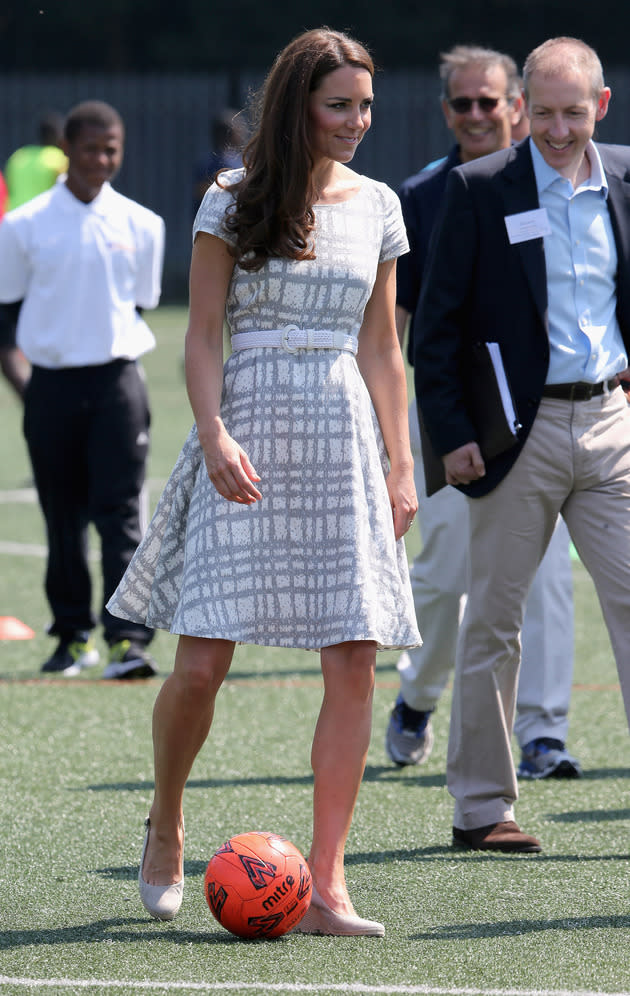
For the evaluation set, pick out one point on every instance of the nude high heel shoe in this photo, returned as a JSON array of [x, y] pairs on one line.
[[320, 919], [161, 901]]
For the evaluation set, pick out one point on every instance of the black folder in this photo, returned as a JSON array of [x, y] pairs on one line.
[[491, 408]]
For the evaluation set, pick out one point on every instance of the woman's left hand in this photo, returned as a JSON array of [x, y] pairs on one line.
[[402, 495]]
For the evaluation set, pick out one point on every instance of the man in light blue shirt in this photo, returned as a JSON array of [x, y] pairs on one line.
[[581, 263], [532, 253], [482, 105]]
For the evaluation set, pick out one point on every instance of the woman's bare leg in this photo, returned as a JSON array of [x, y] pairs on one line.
[[338, 756], [182, 717]]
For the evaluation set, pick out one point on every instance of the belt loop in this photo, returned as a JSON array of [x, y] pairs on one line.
[[285, 338], [310, 339]]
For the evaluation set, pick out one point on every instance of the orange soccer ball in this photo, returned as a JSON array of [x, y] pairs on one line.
[[258, 885]]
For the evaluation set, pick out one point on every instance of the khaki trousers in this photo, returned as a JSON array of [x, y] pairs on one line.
[[576, 462], [439, 582]]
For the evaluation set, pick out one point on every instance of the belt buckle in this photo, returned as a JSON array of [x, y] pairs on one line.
[[285, 338]]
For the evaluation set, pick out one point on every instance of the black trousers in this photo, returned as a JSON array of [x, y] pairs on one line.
[[8, 324], [87, 431]]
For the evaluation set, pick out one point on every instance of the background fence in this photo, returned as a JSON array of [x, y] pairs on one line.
[[167, 121]]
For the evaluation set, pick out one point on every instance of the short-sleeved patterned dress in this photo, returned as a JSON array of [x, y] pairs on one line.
[[315, 562]]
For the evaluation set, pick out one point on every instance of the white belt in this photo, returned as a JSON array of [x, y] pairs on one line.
[[291, 338]]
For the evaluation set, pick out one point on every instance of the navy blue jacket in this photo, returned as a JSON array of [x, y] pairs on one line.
[[420, 196]]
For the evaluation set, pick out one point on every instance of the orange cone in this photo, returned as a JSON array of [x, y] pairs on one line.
[[13, 629]]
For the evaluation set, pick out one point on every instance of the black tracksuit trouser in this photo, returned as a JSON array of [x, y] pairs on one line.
[[87, 431]]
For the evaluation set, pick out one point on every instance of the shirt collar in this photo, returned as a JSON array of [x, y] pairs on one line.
[[99, 204], [546, 174]]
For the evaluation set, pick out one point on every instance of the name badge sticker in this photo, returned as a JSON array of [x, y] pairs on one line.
[[527, 225]]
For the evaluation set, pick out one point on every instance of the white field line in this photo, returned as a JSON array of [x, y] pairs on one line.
[[290, 987], [11, 549], [23, 549], [21, 496], [28, 496]]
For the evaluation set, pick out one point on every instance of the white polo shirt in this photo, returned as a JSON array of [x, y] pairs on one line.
[[81, 270]]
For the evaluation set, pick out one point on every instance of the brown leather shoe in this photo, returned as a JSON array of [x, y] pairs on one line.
[[505, 837]]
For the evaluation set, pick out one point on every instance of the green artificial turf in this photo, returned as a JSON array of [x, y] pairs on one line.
[[76, 782]]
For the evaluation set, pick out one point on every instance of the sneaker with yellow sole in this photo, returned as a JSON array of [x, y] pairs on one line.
[[71, 656], [129, 660]]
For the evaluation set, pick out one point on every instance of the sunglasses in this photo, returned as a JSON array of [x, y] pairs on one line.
[[462, 105]]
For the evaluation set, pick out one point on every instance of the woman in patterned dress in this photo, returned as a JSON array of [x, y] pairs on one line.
[[283, 521]]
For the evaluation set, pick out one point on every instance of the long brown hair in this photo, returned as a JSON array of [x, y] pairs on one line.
[[273, 211]]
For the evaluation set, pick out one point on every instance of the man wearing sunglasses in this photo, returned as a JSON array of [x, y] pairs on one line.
[[482, 102], [532, 253]]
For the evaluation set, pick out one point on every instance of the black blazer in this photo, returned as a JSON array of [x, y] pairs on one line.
[[478, 287]]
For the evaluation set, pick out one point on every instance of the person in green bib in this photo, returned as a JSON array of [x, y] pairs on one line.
[[29, 171], [32, 169]]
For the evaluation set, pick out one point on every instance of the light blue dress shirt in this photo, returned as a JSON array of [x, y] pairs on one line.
[[581, 261]]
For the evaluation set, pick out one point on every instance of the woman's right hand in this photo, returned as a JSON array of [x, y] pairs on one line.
[[230, 470]]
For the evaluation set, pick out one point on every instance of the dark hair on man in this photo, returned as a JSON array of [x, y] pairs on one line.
[[50, 128], [273, 212], [464, 56], [90, 113]]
